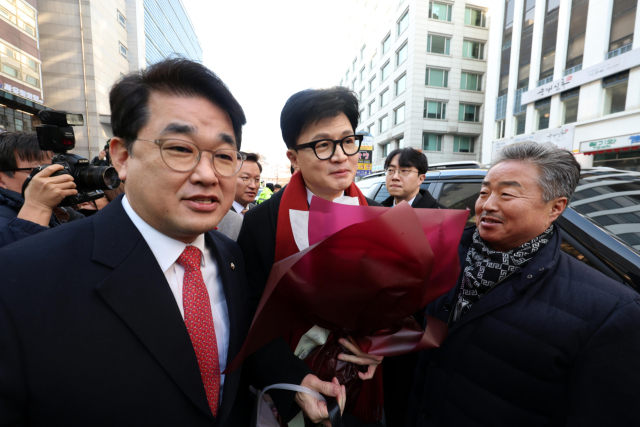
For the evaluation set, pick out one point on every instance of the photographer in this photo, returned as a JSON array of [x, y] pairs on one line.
[[102, 159], [22, 217]]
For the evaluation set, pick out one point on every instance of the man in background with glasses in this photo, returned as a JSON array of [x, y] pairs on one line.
[[318, 128], [23, 217], [406, 169], [132, 315], [248, 184]]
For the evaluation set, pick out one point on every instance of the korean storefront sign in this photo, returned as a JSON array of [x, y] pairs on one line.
[[365, 156], [610, 66], [561, 137], [8, 87], [613, 143]]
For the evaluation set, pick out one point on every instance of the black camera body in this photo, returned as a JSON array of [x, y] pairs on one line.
[[56, 134]]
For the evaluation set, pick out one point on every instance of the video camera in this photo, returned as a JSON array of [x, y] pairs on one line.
[[56, 134]]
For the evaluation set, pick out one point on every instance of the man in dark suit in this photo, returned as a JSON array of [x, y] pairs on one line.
[[406, 169], [318, 127], [130, 317], [248, 184]]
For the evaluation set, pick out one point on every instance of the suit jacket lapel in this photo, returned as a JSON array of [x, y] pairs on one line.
[[139, 294], [237, 319], [416, 200]]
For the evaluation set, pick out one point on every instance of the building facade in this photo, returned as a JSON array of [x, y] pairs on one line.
[[419, 68], [21, 96], [565, 71], [89, 44]]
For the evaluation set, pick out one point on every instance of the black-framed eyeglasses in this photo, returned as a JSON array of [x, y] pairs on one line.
[[325, 148], [184, 156], [401, 172], [20, 169]]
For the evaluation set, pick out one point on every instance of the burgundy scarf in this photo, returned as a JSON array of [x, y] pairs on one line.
[[369, 406]]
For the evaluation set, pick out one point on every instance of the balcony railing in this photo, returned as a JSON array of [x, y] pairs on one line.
[[572, 70], [544, 81], [501, 107], [517, 108], [619, 51]]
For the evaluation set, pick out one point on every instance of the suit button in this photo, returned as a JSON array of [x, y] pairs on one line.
[[435, 363], [447, 307], [529, 276]]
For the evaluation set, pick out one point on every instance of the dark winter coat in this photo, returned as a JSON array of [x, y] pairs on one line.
[[13, 228], [557, 344]]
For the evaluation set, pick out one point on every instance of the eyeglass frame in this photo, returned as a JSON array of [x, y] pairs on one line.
[[20, 169], [160, 142], [408, 171], [336, 142], [244, 178]]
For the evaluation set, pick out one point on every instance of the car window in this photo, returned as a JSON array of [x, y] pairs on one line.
[[611, 200], [382, 194], [461, 195], [569, 249]]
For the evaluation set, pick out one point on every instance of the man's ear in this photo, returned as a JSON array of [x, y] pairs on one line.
[[2, 183], [119, 156], [292, 155], [557, 208], [422, 177]]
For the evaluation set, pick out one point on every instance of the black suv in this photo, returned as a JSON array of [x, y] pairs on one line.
[[601, 226]]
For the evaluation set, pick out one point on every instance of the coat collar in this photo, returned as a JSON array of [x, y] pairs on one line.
[[505, 293], [138, 292]]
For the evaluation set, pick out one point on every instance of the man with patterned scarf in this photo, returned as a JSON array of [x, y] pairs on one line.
[[318, 127], [536, 337]]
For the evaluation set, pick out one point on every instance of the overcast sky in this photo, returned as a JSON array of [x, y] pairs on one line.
[[266, 51]]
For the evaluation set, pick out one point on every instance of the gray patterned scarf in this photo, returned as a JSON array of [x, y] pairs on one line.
[[486, 267]]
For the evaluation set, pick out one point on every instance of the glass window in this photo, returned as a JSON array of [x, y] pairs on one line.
[[543, 117], [401, 85], [121, 19], [362, 52], [384, 71], [470, 81], [374, 60], [372, 108], [500, 129], [11, 53], [570, 110], [353, 84], [463, 144], [385, 150], [432, 142], [403, 23], [372, 85], [371, 128], [577, 30], [623, 19], [32, 80], [401, 141], [11, 71], [32, 64], [526, 43], [469, 113], [386, 44], [473, 50], [477, 18], [438, 44], [398, 115], [29, 29], [384, 98], [362, 74], [360, 116], [521, 120], [123, 50], [383, 124], [383, 194], [440, 11], [401, 55], [353, 64], [461, 195], [549, 37], [615, 98], [361, 95], [437, 78], [505, 57], [435, 110]]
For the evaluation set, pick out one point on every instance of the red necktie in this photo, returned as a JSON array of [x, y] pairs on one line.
[[199, 322]]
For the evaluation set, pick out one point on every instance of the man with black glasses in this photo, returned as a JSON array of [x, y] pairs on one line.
[[22, 217], [318, 128], [133, 314], [406, 169]]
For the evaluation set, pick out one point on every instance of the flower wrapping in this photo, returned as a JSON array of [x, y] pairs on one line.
[[367, 270]]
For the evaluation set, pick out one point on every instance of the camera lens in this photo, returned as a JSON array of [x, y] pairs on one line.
[[99, 178]]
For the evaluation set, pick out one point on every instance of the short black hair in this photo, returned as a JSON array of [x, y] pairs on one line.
[[22, 145], [269, 185], [408, 157], [277, 186], [312, 105], [129, 96], [252, 157]]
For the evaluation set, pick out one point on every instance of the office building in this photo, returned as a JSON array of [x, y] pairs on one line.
[[21, 97], [566, 72], [87, 45], [419, 68]]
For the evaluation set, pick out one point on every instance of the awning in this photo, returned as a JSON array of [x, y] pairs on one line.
[[615, 150]]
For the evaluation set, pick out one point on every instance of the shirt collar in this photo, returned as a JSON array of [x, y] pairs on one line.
[[238, 207], [165, 249], [410, 201]]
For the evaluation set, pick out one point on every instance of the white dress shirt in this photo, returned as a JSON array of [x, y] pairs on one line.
[[167, 251], [410, 201], [238, 207]]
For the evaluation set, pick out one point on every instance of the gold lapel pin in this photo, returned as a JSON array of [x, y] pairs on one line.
[[233, 266]]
